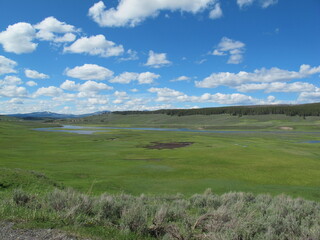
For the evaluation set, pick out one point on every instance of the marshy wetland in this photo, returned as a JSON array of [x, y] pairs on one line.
[[230, 157], [141, 177]]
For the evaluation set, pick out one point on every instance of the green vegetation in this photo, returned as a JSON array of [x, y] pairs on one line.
[[118, 160], [124, 190], [312, 109], [201, 216]]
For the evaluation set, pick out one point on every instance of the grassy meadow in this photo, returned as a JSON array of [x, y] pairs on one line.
[[265, 180], [264, 160]]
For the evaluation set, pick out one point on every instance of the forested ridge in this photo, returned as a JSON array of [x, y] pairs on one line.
[[304, 110]]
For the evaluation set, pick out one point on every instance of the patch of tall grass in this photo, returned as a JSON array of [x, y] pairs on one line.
[[202, 216]]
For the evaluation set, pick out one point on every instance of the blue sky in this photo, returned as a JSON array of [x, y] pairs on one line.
[[87, 56]]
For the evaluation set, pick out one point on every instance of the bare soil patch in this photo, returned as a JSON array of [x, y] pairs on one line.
[[9, 232], [171, 145]]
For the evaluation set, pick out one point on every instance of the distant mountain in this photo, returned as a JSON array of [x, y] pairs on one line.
[[41, 115]]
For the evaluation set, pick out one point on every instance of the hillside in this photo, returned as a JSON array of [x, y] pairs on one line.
[[123, 216]]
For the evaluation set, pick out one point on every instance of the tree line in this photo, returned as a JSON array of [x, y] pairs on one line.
[[302, 110]]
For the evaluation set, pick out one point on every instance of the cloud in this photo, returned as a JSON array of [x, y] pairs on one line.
[[131, 55], [34, 74], [262, 75], [87, 87], [120, 97], [100, 100], [310, 96], [201, 61], [51, 29], [277, 87], [7, 65], [10, 80], [17, 38], [262, 3], [157, 60], [31, 83], [95, 45], [267, 3], [228, 99], [13, 91], [132, 12], [91, 86], [9, 88], [170, 95], [15, 101], [89, 72], [48, 91], [70, 85], [68, 37], [147, 77], [244, 3], [125, 78], [181, 78], [234, 49], [216, 12], [142, 78]]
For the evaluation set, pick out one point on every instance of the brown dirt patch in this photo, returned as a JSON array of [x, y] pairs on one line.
[[171, 145]]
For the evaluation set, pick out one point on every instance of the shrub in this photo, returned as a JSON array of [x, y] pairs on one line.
[[134, 218], [20, 197]]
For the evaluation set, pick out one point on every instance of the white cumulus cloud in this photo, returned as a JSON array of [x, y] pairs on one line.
[[68, 37], [51, 29], [133, 12], [95, 45], [157, 60], [257, 76], [313, 96], [88, 86], [9, 87], [17, 38], [34, 74], [89, 72], [216, 12], [31, 83], [92, 86], [171, 95], [277, 87], [142, 78], [233, 48], [51, 91], [10, 80], [7, 65]]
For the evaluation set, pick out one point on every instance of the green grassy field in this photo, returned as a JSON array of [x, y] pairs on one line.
[[117, 160]]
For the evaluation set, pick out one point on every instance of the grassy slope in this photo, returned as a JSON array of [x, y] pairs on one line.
[[121, 216], [117, 161]]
